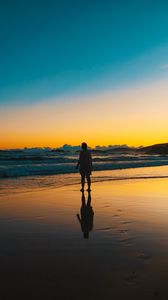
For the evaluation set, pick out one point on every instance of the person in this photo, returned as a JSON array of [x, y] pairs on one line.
[[85, 163], [86, 216]]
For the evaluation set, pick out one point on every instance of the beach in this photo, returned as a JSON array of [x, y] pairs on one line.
[[45, 255], [84, 96]]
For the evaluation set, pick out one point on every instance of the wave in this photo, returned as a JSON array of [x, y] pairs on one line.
[[48, 168], [38, 183]]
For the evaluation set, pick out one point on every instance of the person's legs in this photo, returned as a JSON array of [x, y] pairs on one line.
[[89, 198], [88, 182], [82, 181]]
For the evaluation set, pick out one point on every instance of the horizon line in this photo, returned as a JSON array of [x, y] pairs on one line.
[[72, 146]]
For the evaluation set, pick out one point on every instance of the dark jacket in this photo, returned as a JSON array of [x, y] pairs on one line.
[[85, 162]]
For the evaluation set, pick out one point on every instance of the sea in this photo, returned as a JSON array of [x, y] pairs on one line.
[[23, 169]]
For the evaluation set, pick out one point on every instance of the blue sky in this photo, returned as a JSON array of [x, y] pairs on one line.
[[51, 48]]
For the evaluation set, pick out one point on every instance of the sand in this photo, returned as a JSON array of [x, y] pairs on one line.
[[44, 254]]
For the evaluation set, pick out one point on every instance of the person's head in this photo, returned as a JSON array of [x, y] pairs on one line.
[[84, 146]]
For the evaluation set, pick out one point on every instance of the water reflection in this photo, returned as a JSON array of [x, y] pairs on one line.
[[86, 215]]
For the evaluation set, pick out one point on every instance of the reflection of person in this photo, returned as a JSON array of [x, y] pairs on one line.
[[87, 214], [85, 163]]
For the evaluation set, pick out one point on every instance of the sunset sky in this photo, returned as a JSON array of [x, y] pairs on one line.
[[73, 71]]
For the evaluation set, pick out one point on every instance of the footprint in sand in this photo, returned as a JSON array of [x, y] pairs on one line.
[[143, 256], [105, 228], [127, 241], [126, 222], [131, 277], [123, 231]]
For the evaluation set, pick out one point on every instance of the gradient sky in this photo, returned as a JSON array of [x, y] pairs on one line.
[[83, 70]]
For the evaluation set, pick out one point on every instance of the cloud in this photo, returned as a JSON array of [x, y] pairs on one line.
[[163, 67]]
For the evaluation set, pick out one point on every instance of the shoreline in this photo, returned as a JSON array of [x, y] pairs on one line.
[[27, 183]]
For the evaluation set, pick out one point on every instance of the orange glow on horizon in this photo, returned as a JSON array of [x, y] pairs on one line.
[[34, 143], [135, 117]]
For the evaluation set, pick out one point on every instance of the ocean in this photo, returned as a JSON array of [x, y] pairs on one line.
[[41, 168]]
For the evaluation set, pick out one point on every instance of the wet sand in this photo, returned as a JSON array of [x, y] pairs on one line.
[[44, 254]]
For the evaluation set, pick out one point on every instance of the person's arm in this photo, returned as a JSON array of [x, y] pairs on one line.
[[77, 166], [79, 219]]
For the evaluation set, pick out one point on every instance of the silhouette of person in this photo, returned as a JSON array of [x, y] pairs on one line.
[[86, 216], [85, 163]]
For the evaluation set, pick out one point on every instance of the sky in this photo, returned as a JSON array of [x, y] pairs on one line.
[[73, 71]]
